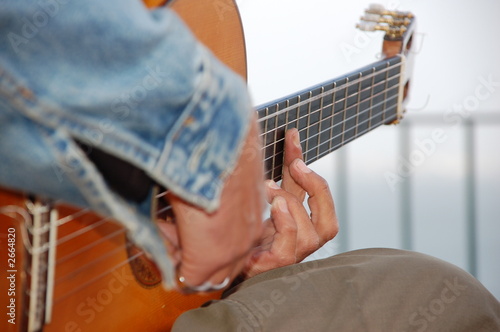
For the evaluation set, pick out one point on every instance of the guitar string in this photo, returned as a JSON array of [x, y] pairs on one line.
[[325, 130], [94, 279], [326, 93], [94, 261], [329, 116], [107, 255], [334, 90], [103, 274], [102, 239], [116, 233], [329, 150], [123, 230], [322, 95], [68, 218]]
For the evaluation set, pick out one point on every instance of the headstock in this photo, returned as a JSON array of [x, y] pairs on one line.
[[399, 28]]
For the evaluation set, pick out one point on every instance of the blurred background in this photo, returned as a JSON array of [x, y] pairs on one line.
[[398, 187]]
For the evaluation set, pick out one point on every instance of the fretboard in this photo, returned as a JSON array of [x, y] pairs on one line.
[[331, 114]]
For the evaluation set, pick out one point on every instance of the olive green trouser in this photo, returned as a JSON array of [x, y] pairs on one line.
[[364, 290]]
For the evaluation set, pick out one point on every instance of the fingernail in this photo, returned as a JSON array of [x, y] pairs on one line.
[[296, 139], [273, 185], [302, 167], [281, 203]]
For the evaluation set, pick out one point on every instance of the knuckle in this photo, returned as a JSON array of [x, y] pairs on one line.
[[323, 186], [310, 244], [332, 230]]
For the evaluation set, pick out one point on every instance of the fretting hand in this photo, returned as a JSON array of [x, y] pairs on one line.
[[291, 234]]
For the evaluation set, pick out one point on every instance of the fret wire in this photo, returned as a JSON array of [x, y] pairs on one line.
[[333, 103], [361, 133], [333, 111], [349, 82], [371, 96], [266, 121], [393, 97], [308, 126], [345, 108], [349, 119], [357, 106], [287, 121], [297, 111], [363, 121], [333, 114], [275, 135], [385, 94], [320, 110], [300, 103], [320, 119], [336, 146]]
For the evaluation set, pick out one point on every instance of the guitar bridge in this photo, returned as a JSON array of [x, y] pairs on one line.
[[40, 243]]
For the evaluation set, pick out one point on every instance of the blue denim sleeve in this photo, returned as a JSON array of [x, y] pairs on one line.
[[132, 82]]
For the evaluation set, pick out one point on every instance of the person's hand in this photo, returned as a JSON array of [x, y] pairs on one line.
[[212, 249], [291, 234]]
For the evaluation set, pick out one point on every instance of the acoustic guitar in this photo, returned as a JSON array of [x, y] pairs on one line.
[[67, 269]]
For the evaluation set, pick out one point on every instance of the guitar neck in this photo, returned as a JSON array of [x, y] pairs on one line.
[[331, 114]]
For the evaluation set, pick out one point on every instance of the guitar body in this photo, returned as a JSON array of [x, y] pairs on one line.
[[95, 285], [102, 282]]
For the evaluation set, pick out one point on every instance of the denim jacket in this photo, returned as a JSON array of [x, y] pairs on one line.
[[132, 82]]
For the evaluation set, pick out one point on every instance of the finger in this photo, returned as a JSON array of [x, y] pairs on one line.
[[272, 190], [308, 239], [283, 247], [293, 150], [285, 239], [320, 200]]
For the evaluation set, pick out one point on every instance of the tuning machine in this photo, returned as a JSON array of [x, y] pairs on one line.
[[380, 10], [394, 23]]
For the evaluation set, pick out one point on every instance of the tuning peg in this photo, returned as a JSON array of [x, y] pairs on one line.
[[392, 32], [369, 26], [376, 8], [380, 10], [386, 19]]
